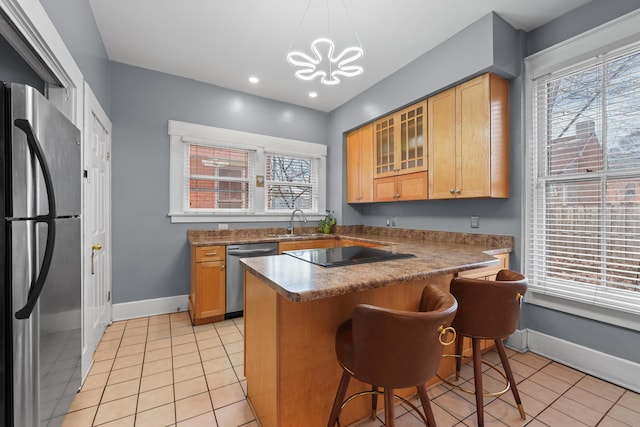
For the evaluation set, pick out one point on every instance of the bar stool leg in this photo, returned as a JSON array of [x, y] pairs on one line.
[[512, 381], [337, 403], [389, 409], [374, 401], [458, 358], [477, 378], [426, 405]]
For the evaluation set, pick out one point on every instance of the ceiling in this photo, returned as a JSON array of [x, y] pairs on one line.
[[225, 42]]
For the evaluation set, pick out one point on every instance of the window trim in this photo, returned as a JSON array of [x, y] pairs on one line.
[[610, 36], [184, 132]]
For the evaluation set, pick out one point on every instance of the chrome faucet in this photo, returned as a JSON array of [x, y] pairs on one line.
[[304, 219]]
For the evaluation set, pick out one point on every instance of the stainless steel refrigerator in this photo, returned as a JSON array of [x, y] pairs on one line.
[[40, 265]]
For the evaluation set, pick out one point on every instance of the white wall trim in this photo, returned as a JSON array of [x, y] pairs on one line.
[[518, 340], [608, 36], [616, 370], [53, 59], [182, 133], [150, 307]]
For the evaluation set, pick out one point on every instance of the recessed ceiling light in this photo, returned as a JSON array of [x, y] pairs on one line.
[[254, 79], [313, 94]]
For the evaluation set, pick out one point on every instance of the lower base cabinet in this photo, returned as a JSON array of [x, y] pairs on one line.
[[207, 296]]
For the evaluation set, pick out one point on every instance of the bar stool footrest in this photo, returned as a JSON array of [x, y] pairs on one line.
[[466, 390], [381, 393]]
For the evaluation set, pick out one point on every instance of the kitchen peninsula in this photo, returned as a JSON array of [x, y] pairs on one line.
[[292, 310]]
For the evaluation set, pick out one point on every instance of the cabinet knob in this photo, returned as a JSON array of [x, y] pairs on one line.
[[222, 267], [451, 190], [458, 191]]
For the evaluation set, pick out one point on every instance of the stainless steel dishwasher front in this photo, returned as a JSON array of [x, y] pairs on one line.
[[235, 274]]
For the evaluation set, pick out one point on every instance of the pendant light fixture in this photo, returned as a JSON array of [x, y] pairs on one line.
[[326, 61]]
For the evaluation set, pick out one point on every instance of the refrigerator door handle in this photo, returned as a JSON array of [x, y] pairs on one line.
[[36, 148], [36, 287]]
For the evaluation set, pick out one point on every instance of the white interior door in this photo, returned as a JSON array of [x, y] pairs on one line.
[[97, 227]]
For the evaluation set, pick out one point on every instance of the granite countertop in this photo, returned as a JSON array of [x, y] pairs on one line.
[[436, 253]]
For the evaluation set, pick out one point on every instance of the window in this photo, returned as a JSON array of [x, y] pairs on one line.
[[583, 196], [291, 182], [219, 178], [230, 176]]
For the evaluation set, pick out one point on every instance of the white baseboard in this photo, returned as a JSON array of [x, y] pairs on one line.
[[610, 368], [150, 307], [518, 340]]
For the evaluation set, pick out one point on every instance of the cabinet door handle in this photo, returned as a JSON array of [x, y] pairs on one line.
[[210, 253]]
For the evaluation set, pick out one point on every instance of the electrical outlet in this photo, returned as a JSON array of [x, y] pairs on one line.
[[223, 226], [388, 222], [475, 221]]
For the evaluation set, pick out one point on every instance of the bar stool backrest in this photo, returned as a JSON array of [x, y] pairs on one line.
[[488, 308], [398, 349]]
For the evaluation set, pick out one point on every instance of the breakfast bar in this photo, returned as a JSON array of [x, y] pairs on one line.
[[293, 307]]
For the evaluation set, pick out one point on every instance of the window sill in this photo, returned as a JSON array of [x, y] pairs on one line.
[[589, 311], [180, 218]]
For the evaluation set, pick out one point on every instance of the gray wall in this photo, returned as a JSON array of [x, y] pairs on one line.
[[13, 69], [76, 25], [151, 255], [490, 44]]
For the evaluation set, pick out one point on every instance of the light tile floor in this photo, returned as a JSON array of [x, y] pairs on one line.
[[161, 371]]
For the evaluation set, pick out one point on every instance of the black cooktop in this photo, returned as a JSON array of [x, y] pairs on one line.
[[350, 255]]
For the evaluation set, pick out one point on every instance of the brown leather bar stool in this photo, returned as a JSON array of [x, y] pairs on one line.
[[394, 349], [490, 310]]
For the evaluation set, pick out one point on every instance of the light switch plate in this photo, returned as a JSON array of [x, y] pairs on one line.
[[475, 221]]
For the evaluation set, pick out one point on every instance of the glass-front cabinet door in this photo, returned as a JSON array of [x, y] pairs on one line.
[[412, 138], [400, 141], [385, 149]]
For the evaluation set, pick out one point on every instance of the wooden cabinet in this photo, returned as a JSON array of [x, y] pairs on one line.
[[487, 273], [360, 165], [411, 186], [306, 244], [207, 297], [348, 242], [469, 140], [400, 142]]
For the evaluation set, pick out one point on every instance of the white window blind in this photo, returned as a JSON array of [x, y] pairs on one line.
[[583, 200], [218, 178], [291, 182]]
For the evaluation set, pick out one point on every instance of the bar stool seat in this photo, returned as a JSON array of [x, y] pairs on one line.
[[489, 310], [393, 349]]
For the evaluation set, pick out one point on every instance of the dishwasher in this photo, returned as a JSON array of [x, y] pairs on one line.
[[235, 274]]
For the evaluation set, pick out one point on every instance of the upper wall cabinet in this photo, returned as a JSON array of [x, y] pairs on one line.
[[400, 142], [360, 165], [453, 145], [469, 140]]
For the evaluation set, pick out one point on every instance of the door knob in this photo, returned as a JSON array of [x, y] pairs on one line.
[[95, 247]]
